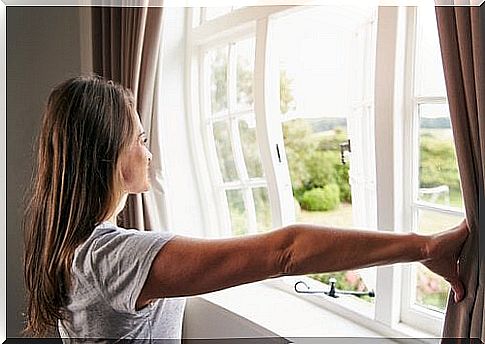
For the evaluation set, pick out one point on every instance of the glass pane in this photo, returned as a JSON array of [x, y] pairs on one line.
[[218, 79], [224, 151], [245, 73], [439, 180], [430, 222], [247, 130], [217, 11], [431, 289], [239, 222], [429, 67], [315, 48], [263, 210]]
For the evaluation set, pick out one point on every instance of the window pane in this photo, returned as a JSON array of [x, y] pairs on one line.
[[439, 180], [224, 151], [217, 11], [431, 289], [429, 67], [218, 79], [315, 47], [263, 210], [245, 73], [247, 130], [239, 222]]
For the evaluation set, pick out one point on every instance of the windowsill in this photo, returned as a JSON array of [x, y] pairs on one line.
[[274, 305]]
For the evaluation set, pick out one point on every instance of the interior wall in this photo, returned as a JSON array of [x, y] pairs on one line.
[[43, 45], [3, 177]]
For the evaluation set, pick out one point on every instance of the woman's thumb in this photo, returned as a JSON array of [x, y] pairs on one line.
[[458, 290]]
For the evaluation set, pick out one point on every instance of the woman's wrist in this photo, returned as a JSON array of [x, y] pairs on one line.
[[423, 242]]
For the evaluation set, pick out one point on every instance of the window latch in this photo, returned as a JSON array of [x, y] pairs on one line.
[[344, 147], [302, 288]]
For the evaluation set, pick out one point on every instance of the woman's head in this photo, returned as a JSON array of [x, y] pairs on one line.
[[89, 134]]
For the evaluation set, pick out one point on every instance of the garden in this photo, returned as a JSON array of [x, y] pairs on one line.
[[322, 192]]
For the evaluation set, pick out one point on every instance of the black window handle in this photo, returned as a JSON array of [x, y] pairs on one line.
[[345, 146], [332, 292]]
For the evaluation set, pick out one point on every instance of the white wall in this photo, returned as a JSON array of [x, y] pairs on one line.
[[42, 50]]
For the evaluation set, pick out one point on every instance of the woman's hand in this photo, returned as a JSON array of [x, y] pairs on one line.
[[443, 251]]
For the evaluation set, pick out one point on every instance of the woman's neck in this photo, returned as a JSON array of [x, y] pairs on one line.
[[119, 208]]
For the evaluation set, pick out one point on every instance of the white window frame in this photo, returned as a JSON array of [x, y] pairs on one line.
[[393, 166], [415, 315]]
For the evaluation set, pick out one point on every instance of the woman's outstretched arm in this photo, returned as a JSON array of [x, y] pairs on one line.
[[188, 266]]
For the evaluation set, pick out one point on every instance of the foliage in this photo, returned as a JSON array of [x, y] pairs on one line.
[[298, 143], [342, 172], [431, 290], [321, 199], [314, 159], [219, 80], [286, 98]]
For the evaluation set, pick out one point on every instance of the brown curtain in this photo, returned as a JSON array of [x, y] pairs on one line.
[[462, 40], [126, 45]]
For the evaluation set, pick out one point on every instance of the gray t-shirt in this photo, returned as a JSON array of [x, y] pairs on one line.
[[108, 272]]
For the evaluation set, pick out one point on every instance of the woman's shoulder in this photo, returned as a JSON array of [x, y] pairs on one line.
[[108, 239]]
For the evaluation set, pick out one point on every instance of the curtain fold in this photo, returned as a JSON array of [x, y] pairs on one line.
[[126, 45], [461, 41]]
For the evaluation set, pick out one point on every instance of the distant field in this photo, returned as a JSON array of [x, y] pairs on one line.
[[440, 134]]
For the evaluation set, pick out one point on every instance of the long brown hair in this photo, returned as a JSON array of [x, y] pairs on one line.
[[88, 122]]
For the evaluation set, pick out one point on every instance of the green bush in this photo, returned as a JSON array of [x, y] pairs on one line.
[[321, 168], [321, 199], [343, 182]]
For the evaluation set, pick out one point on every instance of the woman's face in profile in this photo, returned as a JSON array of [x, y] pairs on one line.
[[135, 163]]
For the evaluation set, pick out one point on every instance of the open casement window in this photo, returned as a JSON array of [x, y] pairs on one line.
[[230, 129], [326, 116], [274, 96]]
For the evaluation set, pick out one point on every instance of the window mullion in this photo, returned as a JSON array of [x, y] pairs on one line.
[[268, 127], [388, 277]]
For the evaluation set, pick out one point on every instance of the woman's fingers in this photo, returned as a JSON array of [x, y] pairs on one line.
[[445, 249]]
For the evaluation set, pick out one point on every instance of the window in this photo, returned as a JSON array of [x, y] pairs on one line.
[[325, 90], [435, 201], [230, 125], [277, 92]]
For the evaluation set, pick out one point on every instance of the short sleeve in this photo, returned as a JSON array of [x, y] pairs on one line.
[[121, 260]]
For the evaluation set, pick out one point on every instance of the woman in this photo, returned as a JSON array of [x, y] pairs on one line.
[[97, 280]]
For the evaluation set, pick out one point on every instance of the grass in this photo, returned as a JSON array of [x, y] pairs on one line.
[[340, 217]]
